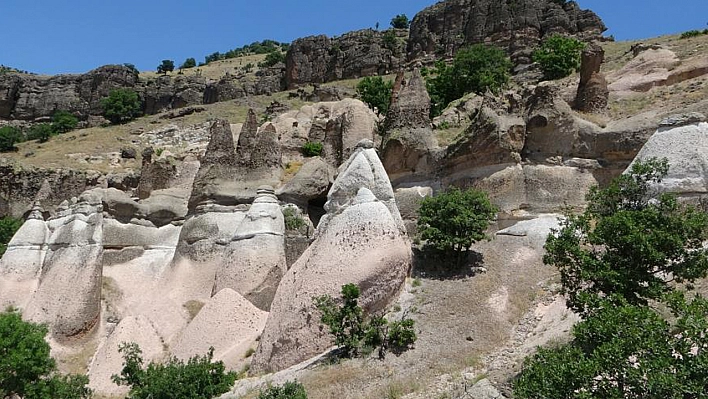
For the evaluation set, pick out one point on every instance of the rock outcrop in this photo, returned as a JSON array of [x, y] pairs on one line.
[[517, 26], [593, 93], [361, 243], [319, 59]]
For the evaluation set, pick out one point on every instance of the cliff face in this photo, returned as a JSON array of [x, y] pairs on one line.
[[515, 25], [319, 59]]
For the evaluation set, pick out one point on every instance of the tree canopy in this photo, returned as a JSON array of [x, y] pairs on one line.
[[121, 105], [376, 93]]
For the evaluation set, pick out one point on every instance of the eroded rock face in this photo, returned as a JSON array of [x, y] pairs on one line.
[[593, 93], [361, 240], [319, 59], [254, 260], [517, 26]]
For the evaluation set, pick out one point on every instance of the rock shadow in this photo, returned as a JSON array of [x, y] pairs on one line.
[[435, 264]]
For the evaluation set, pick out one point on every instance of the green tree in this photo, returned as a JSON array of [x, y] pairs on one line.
[[121, 105], [188, 63], [453, 220], [272, 58], [26, 367], [400, 21], [9, 136], [376, 93], [40, 132], [354, 333], [63, 121], [166, 66], [558, 56], [628, 244], [475, 69], [199, 378], [289, 390], [8, 228]]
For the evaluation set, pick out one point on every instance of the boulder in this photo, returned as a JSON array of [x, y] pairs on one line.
[[310, 182], [361, 243], [254, 260]]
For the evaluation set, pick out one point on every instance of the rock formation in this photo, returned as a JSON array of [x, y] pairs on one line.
[[319, 59], [593, 93], [517, 26], [361, 242], [254, 260]]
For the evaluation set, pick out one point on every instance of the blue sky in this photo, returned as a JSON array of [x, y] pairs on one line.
[[53, 36]]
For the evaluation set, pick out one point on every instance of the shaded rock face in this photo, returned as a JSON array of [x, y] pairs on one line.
[[516, 26], [320, 59], [593, 93], [361, 244]]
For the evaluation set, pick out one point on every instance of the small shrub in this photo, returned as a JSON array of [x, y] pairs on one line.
[[400, 21], [199, 378], [63, 122], [9, 136], [691, 33], [188, 63], [131, 67], [559, 56], [390, 40], [312, 149], [272, 58], [8, 228], [293, 221], [289, 390], [40, 132], [121, 105], [376, 93]]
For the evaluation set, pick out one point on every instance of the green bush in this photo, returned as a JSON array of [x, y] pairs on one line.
[[475, 69], [188, 63], [453, 220], [199, 378], [8, 228], [26, 367], [390, 40], [121, 105], [558, 56], [312, 149], [691, 33], [166, 66], [40, 132], [272, 58], [400, 21], [63, 122], [292, 220], [376, 93], [357, 335], [9, 136], [289, 390]]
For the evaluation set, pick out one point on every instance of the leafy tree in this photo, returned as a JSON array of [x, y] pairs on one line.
[[40, 132], [9, 136], [8, 228], [628, 245], [353, 333], [26, 367], [390, 41], [166, 66], [312, 149], [188, 63], [453, 220], [63, 121], [272, 58], [477, 68], [376, 93], [289, 390], [558, 56], [199, 378], [131, 67], [400, 21], [121, 105]]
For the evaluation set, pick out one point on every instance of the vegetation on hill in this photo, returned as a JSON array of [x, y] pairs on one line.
[[263, 47], [26, 368], [289, 390], [121, 105], [400, 21], [558, 56], [8, 228], [620, 262], [166, 66], [376, 93]]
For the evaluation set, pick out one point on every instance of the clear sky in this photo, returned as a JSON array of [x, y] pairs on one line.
[[54, 36]]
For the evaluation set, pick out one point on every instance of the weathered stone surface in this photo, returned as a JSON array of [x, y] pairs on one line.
[[593, 93], [319, 59], [363, 245], [254, 260], [310, 182], [517, 27]]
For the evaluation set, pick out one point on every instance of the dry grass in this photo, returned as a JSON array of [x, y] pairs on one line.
[[215, 70]]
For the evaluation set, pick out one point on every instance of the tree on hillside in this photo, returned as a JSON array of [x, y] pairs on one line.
[[26, 368], [121, 105], [453, 220], [477, 68], [41, 132], [188, 63], [558, 56], [400, 21], [9, 136], [272, 58], [166, 66], [63, 122], [376, 93]]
